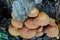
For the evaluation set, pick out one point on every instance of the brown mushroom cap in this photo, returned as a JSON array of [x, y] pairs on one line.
[[42, 16], [52, 21], [39, 31], [42, 20], [52, 31], [34, 12], [17, 23], [27, 33], [29, 23], [39, 34], [13, 31], [36, 22]]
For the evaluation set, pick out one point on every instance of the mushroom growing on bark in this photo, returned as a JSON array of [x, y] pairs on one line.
[[27, 33], [17, 23], [51, 30], [39, 31], [13, 31], [34, 12], [52, 21], [42, 19], [29, 23]]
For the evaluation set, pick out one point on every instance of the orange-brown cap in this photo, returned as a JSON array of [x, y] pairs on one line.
[[29, 23], [52, 21], [13, 31], [17, 23], [39, 31], [38, 34], [34, 12], [42, 16], [27, 33], [42, 20], [52, 31]]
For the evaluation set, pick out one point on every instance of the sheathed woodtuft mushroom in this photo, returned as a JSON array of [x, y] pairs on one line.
[[34, 12], [42, 19], [39, 34], [17, 23], [52, 21], [27, 33], [29, 23], [51, 31], [39, 31], [13, 31]]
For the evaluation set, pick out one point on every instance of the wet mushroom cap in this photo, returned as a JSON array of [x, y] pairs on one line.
[[42, 16], [36, 22], [27, 33], [42, 20], [34, 12], [13, 31], [52, 31], [29, 24], [40, 29], [39, 34], [52, 21], [17, 23], [51, 28], [52, 34]]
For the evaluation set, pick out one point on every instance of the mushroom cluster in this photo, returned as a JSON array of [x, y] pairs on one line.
[[34, 26]]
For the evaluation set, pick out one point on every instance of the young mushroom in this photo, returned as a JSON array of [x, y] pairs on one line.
[[13, 31], [52, 21], [17, 23], [51, 30], [27, 33], [29, 24], [39, 34], [42, 19], [34, 12]]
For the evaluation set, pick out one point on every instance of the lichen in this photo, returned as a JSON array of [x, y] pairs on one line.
[[21, 9]]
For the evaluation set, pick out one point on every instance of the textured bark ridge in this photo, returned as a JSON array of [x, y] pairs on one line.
[[21, 8]]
